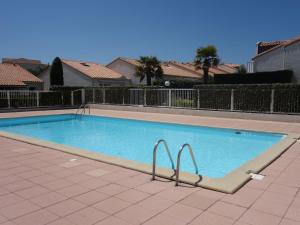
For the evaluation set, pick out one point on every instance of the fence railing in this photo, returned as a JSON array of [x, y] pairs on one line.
[[241, 100], [33, 99]]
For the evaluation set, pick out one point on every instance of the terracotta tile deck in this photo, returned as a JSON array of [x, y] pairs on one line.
[[42, 186]]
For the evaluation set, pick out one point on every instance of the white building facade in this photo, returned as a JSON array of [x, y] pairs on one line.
[[171, 71], [83, 74], [285, 56]]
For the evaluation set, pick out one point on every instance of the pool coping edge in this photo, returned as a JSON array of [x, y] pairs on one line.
[[227, 184]]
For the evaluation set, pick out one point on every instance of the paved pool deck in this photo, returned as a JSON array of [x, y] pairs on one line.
[[43, 186]]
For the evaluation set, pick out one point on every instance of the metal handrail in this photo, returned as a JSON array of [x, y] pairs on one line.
[[178, 161], [154, 156], [83, 107]]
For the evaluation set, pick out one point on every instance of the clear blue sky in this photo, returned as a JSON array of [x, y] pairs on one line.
[[169, 29]]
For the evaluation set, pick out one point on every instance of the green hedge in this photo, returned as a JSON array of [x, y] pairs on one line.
[[257, 97], [214, 99], [50, 98], [247, 97], [256, 100], [287, 100], [185, 103], [281, 76]]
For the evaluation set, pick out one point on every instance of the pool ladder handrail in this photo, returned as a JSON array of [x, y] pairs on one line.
[[83, 107], [154, 156], [178, 161]]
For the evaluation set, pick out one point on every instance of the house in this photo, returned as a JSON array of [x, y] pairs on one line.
[[13, 76], [32, 65], [278, 55], [85, 74], [171, 71]]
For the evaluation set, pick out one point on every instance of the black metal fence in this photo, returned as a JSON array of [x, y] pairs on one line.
[[266, 100], [33, 99]]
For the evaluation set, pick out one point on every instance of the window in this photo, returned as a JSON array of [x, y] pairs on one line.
[[85, 64]]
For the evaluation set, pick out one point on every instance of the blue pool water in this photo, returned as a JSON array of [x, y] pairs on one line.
[[217, 151]]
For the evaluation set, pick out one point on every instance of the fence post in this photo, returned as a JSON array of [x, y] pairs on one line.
[[232, 100], [103, 92], [62, 98], [82, 96], [8, 99], [145, 99], [72, 98], [37, 99], [272, 101], [170, 98], [93, 95], [198, 98], [123, 97]]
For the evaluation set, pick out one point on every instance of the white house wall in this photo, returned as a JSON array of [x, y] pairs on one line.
[[127, 70], [292, 60], [45, 76], [271, 61], [72, 78], [287, 58]]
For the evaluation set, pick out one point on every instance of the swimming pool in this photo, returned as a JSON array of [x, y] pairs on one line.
[[218, 151]]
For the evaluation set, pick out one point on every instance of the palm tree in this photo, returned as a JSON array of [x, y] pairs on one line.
[[206, 57], [150, 68]]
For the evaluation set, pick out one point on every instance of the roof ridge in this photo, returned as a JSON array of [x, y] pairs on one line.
[[80, 61]]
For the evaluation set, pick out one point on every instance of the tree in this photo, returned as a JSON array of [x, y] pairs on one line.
[[150, 68], [206, 57], [242, 69], [56, 72]]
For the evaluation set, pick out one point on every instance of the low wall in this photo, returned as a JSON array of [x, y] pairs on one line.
[[194, 112], [6, 110]]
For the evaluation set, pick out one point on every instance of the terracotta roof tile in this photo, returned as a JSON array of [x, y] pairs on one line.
[[188, 66], [283, 44], [232, 65], [93, 70], [15, 75], [227, 68], [188, 69], [220, 69], [21, 61], [169, 69], [268, 43]]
